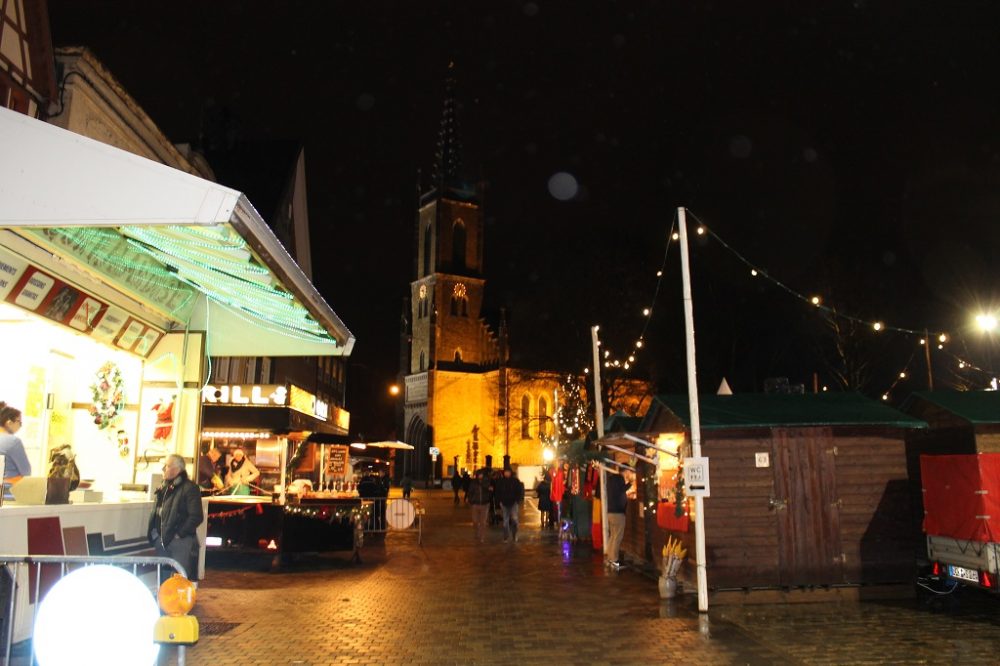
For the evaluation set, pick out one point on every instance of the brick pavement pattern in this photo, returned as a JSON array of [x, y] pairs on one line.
[[541, 601]]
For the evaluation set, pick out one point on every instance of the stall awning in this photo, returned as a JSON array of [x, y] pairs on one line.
[[192, 251]]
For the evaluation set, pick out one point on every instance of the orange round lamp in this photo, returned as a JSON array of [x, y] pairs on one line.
[[176, 595]]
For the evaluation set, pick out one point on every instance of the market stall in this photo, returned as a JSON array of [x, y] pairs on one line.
[[119, 277]]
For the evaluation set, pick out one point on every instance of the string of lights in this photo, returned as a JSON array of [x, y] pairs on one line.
[[647, 313]]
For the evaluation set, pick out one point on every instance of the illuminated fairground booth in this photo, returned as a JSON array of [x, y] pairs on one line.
[[119, 279]]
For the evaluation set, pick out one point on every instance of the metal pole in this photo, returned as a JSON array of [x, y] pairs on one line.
[[927, 355], [599, 422], [699, 502]]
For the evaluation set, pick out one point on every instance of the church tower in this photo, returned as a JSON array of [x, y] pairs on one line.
[[449, 344], [446, 295]]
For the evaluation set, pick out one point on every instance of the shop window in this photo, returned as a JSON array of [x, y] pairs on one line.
[[525, 416]]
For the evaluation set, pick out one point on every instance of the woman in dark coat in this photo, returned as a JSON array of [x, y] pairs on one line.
[[545, 506]]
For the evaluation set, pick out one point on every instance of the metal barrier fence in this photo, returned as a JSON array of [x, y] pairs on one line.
[[18, 568], [394, 515]]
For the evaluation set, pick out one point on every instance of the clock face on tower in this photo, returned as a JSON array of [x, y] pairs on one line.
[[422, 291], [459, 291]]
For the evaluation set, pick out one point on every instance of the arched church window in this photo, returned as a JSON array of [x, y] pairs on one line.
[[427, 249], [423, 362], [543, 413], [525, 416], [458, 245]]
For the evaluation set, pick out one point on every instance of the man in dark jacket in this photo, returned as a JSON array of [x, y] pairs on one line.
[[617, 487], [176, 517], [479, 500], [510, 494]]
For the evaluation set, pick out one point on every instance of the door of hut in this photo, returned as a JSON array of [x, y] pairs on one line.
[[806, 506]]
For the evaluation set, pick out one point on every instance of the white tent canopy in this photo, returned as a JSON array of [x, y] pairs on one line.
[[131, 223]]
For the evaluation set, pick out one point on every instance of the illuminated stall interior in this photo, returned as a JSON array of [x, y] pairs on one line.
[[113, 261]]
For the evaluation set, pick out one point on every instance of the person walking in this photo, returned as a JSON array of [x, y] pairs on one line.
[[479, 500], [465, 485], [617, 487], [456, 484], [176, 517], [510, 494], [407, 484], [543, 490]]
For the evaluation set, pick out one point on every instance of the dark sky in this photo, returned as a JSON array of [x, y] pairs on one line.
[[852, 148]]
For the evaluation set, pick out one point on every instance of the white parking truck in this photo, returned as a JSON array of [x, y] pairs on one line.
[[961, 495]]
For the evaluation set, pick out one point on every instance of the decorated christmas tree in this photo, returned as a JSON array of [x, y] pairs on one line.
[[572, 414]]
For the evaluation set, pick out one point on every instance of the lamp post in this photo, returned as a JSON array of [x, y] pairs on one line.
[[987, 323]]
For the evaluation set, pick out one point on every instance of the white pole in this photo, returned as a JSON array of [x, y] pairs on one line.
[[599, 422], [699, 502]]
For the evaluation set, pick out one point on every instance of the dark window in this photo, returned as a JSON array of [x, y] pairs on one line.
[[422, 361], [427, 249], [458, 245], [454, 305]]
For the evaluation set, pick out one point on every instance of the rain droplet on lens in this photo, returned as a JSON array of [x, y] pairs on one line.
[[740, 147], [563, 186], [810, 155], [365, 102], [530, 9]]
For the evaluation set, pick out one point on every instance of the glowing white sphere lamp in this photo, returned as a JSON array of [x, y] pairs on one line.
[[548, 455], [97, 615]]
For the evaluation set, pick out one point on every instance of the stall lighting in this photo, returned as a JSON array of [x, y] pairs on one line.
[[249, 434], [359, 445]]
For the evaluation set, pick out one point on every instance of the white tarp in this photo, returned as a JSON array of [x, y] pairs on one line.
[[254, 300]]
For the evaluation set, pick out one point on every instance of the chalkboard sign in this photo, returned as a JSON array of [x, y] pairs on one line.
[[337, 461]]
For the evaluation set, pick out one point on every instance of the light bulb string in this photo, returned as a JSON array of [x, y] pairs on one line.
[[876, 325]]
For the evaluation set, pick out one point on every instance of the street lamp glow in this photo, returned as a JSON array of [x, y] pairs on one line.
[[902, 375], [815, 300], [877, 326], [548, 455], [645, 312], [986, 322], [394, 389], [943, 338], [676, 236], [753, 272]]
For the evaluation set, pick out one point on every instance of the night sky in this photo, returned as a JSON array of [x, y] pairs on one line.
[[852, 151]]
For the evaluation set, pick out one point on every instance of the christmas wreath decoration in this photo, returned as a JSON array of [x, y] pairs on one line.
[[108, 393]]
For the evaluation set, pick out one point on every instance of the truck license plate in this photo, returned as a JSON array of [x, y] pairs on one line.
[[970, 575]]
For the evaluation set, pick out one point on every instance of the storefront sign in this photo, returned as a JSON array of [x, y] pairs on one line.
[[275, 395], [340, 418], [30, 288], [307, 403]]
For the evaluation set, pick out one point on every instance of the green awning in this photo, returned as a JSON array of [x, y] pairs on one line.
[[979, 407], [763, 410]]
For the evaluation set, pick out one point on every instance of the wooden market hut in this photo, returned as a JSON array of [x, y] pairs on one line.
[[807, 491]]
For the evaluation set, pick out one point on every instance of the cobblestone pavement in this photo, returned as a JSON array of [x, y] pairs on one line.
[[454, 601]]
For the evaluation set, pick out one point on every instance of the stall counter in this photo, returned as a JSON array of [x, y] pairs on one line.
[[95, 529]]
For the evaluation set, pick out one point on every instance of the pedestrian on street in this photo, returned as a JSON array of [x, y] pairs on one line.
[[617, 487], [456, 484], [510, 494], [176, 517], [407, 484], [466, 479], [543, 489], [479, 500]]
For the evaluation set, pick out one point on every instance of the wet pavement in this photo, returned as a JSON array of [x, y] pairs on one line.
[[541, 601]]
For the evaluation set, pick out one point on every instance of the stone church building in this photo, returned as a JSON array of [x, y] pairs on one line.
[[460, 396]]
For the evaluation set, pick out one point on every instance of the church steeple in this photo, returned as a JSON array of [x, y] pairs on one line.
[[448, 154]]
